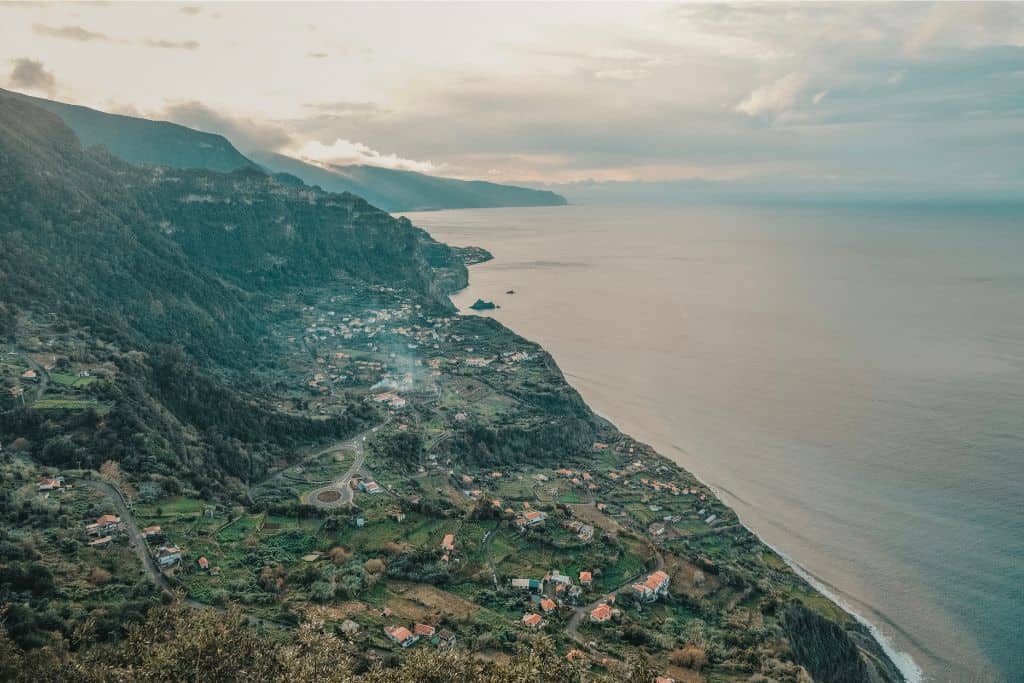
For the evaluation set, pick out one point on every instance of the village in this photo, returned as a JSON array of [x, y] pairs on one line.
[[397, 539]]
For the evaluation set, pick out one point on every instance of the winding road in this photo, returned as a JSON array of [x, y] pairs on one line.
[[135, 540], [342, 484], [572, 628]]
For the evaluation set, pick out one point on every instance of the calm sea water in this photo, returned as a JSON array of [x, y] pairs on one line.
[[850, 379]]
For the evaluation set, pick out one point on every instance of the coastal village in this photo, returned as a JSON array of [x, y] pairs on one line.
[[398, 540]]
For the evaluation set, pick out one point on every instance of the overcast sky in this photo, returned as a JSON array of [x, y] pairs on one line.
[[860, 96]]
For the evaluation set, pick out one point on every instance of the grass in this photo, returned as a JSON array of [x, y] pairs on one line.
[[57, 403], [68, 380]]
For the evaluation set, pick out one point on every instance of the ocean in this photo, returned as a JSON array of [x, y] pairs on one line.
[[849, 378]]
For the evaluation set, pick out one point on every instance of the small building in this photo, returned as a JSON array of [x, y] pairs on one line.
[[527, 584], [168, 555], [370, 487], [533, 620], [101, 542], [653, 587], [151, 532], [547, 605], [400, 635], [50, 483], [531, 518], [424, 630], [601, 614], [203, 563], [397, 515], [558, 577], [103, 525], [448, 543], [586, 579], [30, 376], [444, 638]]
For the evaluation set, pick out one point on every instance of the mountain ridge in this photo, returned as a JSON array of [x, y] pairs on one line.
[[139, 140]]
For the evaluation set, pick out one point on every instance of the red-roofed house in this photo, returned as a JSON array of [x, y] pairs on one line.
[[533, 620], [423, 630], [586, 578], [400, 635], [548, 605], [654, 586], [601, 614], [448, 543]]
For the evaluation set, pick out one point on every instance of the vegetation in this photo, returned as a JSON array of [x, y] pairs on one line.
[[272, 375]]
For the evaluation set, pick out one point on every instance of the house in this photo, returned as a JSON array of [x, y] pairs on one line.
[[558, 577], [370, 487], [586, 579], [448, 543], [168, 555], [444, 638], [601, 614], [359, 522], [656, 529], [101, 542], [397, 515], [30, 376], [548, 605], [203, 563], [151, 532], [528, 584], [103, 525], [653, 587], [400, 635], [664, 679], [424, 631], [50, 483], [533, 620], [531, 518]]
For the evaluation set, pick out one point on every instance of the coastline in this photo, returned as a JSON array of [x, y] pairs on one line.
[[901, 660]]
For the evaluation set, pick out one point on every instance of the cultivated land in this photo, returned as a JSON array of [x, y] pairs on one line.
[[350, 532], [252, 400]]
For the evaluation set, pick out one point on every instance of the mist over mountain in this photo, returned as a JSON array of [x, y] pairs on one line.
[[161, 143], [398, 190]]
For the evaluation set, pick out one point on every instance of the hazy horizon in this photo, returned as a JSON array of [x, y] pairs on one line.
[[833, 99]]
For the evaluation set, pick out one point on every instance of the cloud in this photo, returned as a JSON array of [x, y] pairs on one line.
[[84, 35], [29, 74], [621, 74], [191, 10], [246, 134], [171, 44], [69, 33], [347, 152], [775, 98], [819, 96]]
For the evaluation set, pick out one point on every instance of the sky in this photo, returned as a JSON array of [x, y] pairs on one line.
[[872, 97]]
